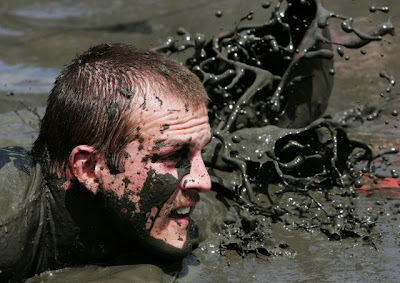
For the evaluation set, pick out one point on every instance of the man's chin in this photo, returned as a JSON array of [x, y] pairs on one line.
[[165, 251]]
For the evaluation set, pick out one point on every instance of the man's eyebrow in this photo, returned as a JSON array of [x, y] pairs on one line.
[[159, 144]]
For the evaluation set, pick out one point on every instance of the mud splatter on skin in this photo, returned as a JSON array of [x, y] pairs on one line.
[[159, 144], [164, 127], [156, 192], [159, 100], [262, 79], [154, 158], [126, 182]]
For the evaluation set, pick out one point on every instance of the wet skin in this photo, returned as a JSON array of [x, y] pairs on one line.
[[163, 171]]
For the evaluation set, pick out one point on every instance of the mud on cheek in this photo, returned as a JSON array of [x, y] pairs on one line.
[[156, 191], [130, 218]]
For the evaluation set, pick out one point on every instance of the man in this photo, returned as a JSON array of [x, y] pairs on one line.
[[116, 169]]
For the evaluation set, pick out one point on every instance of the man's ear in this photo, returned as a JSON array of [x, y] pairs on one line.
[[82, 164]]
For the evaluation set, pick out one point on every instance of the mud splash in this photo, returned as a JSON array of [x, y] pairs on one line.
[[273, 156]]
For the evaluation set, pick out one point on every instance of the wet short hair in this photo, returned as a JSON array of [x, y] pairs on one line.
[[91, 102]]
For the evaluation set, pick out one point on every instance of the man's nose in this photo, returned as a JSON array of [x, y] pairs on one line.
[[198, 177]]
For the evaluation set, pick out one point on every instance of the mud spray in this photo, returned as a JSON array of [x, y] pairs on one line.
[[272, 158]]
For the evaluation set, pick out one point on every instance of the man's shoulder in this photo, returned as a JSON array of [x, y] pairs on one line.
[[19, 185], [15, 157], [15, 178]]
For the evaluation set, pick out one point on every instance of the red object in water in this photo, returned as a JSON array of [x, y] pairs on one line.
[[388, 186]]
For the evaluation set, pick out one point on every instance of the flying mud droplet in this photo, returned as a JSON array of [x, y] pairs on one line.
[[373, 9], [266, 5], [340, 51], [358, 184], [390, 79]]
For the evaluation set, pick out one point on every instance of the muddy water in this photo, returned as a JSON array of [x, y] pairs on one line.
[[38, 37]]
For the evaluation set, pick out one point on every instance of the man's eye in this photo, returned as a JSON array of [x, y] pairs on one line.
[[175, 156]]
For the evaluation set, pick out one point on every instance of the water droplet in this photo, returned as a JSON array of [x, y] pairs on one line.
[[358, 184], [236, 139], [218, 14], [266, 5], [346, 25], [363, 51], [340, 51], [233, 154], [331, 72], [395, 113]]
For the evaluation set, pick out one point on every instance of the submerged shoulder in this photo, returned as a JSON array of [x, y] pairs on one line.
[[15, 158], [15, 177], [16, 168]]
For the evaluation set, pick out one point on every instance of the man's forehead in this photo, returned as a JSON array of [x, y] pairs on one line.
[[157, 97]]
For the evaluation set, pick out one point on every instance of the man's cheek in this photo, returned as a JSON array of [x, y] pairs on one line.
[[158, 190], [135, 199], [158, 217], [135, 177], [151, 218]]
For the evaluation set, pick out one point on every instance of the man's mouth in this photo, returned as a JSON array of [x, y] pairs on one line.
[[181, 212]]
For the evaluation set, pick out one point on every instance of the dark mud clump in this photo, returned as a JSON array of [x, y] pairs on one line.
[[272, 155]]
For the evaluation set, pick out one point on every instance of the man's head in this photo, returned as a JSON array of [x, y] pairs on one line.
[[129, 125]]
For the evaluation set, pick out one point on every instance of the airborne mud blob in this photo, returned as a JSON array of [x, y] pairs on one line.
[[272, 155]]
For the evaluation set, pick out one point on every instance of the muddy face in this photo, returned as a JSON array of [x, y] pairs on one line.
[[151, 201]]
